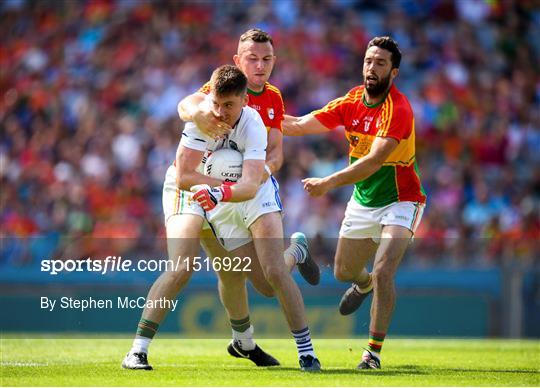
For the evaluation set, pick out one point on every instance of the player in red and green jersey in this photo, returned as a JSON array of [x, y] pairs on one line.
[[388, 200], [397, 179]]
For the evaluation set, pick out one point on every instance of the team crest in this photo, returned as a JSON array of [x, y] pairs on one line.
[[271, 113], [353, 140], [367, 123]]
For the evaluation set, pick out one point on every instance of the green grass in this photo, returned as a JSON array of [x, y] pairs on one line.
[[406, 362]]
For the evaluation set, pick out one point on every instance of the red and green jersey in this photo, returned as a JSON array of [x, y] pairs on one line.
[[268, 103], [398, 178]]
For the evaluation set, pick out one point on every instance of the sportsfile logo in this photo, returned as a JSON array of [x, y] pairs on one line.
[[117, 264]]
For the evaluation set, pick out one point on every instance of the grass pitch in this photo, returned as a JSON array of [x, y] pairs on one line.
[[406, 362]]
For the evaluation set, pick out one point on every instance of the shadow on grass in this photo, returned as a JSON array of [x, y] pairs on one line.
[[490, 370], [399, 370], [395, 371], [412, 370], [416, 369]]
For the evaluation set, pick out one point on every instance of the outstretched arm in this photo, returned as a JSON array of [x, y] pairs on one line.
[[192, 108], [305, 125], [362, 169]]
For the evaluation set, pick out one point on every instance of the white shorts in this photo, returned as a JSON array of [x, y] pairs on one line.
[[230, 221], [367, 222], [176, 201]]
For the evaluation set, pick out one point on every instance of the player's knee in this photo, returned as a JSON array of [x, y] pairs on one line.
[[176, 280], [341, 274], [275, 276], [382, 275]]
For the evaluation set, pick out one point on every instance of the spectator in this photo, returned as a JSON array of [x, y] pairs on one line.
[[88, 95]]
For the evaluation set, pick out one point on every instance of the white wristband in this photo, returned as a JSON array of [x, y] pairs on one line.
[[267, 169]]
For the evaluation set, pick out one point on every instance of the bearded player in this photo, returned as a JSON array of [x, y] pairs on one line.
[[388, 200]]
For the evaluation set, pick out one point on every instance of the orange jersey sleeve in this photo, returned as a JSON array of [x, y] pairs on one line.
[[338, 112]]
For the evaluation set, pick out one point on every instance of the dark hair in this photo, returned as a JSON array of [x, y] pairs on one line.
[[227, 80], [389, 44], [256, 35]]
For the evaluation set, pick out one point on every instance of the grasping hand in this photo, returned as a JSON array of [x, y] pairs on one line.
[[208, 197], [210, 125]]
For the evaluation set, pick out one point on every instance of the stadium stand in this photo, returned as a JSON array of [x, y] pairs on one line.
[[88, 94]]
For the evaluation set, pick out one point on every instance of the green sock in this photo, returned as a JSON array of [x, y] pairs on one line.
[[240, 325], [147, 328]]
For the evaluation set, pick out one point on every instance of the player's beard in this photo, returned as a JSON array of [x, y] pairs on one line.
[[379, 88]]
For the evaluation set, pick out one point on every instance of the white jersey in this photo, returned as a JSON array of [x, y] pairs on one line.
[[230, 221], [248, 136]]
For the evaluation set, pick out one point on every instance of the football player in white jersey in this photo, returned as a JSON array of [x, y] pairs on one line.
[[255, 57], [236, 212]]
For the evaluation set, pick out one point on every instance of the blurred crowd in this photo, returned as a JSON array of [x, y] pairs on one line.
[[88, 95]]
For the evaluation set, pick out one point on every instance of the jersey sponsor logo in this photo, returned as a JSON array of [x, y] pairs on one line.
[[271, 113], [268, 204], [256, 107], [360, 143]]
